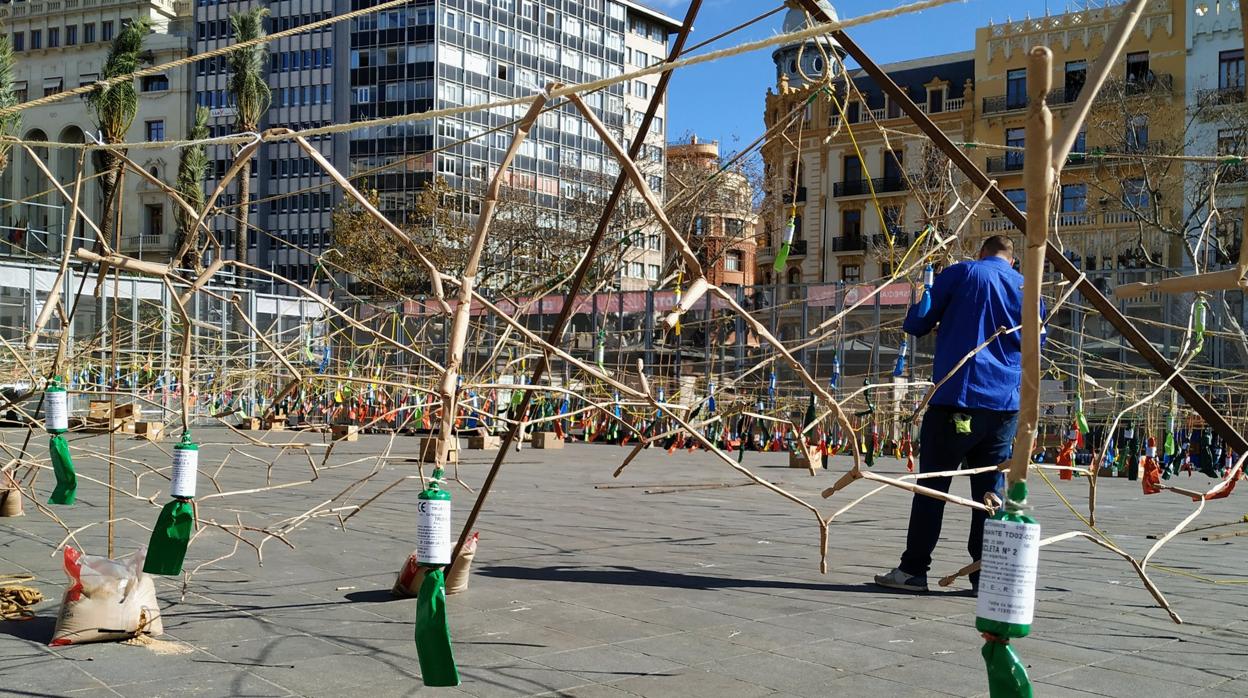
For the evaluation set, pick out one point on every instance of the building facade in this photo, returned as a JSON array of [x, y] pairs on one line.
[[62, 45], [719, 218], [1116, 198], [1219, 122]]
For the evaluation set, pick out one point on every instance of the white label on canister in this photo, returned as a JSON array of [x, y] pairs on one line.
[[1151, 451], [185, 470], [1007, 577], [56, 410], [433, 532], [1128, 433]]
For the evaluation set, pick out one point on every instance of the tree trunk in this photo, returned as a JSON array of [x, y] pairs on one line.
[[108, 182], [241, 249]]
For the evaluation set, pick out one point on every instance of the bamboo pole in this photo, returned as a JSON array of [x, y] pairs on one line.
[[1038, 177]]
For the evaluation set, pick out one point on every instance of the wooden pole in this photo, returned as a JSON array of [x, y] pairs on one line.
[[1038, 177], [582, 272]]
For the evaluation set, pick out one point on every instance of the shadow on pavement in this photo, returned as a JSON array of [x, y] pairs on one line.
[[633, 576]]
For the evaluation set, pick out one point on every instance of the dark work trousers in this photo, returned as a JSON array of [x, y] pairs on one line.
[[942, 448]]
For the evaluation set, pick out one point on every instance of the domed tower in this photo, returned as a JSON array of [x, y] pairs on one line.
[[807, 54]]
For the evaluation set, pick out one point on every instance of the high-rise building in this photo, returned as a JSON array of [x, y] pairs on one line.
[[59, 46], [292, 200], [427, 55]]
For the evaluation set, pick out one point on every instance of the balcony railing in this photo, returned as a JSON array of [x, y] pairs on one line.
[[1002, 103], [798, 249], [858, 187], [1143, 83], [1068, 219], [853, 243], [791, 198], [900, 237], [1005, 163], [1220, 97]]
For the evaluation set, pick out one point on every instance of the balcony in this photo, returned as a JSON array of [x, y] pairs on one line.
[[1221, 96], [1002, 103], [798, 249], [1067, 219], [1143, 83], [1012, 162], [791, 198], [853, 243], [900, 238], [858, 187]]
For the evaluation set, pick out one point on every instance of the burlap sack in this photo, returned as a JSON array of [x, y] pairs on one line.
[[407, 584], [10, 502], [457, 578], [107, 600]]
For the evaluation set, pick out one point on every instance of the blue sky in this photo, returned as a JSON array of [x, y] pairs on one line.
[[723, 100]]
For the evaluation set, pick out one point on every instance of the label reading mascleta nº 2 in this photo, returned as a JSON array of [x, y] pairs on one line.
[[1007, 577]]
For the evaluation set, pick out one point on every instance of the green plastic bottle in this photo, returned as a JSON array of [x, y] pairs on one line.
[[1007, 590]]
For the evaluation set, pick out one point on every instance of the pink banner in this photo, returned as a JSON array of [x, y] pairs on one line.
[[891, 295]]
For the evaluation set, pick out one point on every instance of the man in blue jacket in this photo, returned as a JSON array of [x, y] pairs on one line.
[[972, 417]]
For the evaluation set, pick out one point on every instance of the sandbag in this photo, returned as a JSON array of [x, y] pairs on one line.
[[457, 577], [411, 575], [107, 600], [10, 502], [407, 584]]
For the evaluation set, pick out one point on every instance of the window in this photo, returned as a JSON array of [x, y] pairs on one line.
[[1231, 69], [853, 169], [733, 227], [641, 89], [1076, 76], [699, 225], [1016, 88], [19, 41], [1231, 142], [1137, 67], [637, 270], [52, 86], [892, 219], [1136, 136], [450, 19], [851, 224], [154, 216], [851, 273], [155, 83], [892, 166], [1018, 197], [88, 33], [502, 71], [1135, 194], [732, 260], [54, 37], [1074, 198], [106, 30], [935, 100], [36, 39], [1014, 138], [71, 34]]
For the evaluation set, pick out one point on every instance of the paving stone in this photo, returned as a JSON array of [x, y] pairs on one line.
[[693, 683]]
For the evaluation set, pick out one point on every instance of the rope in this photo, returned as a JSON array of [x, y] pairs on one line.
[[562, 91], [16, 600]]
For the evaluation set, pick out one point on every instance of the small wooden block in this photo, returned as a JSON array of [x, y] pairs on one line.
[[484, 443], [149, 430], [129, 411], [547, 439], [429, 450], [346, 432], [806, 460], [276, 424], [97, 409], [250, 424]]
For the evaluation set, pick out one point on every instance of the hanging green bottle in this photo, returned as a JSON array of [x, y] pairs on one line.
[[1007, 590], [433, 551], [56, 422], [166, 549], [787, 244]]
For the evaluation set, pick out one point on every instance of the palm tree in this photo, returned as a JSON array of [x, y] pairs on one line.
[[192, 168], [250, 90], [115, 107], [10, 124]]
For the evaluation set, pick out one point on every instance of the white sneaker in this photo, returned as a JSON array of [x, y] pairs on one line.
[[897, 579]]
